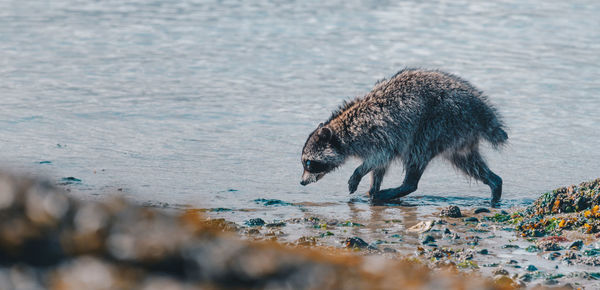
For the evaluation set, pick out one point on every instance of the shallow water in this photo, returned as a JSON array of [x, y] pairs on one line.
[[208, 103]]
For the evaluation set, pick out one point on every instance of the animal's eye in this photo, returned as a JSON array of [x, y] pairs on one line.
[[315, 166]]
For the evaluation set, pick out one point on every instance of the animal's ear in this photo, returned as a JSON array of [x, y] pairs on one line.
[[325, 134]]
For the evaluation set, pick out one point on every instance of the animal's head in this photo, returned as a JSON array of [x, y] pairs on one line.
[[321, 154]]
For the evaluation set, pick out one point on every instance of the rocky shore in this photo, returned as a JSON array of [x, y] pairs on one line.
[[50, 240]]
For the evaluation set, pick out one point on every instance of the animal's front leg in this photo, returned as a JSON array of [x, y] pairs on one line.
[[376, 179], [411, 180], [358, 174]]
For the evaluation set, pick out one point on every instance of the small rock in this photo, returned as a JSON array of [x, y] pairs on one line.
[[481, 210], [275, 224], [526, 277], [549, 245], [576, 245], [355, 242], [451, 211], [421, 227], [509, 246], [471, 219], [447, 231], [484, 252], [513, 262], [255, 222], [389, 250], [500, 271], [531, 268], [428, 239], [553, 256]]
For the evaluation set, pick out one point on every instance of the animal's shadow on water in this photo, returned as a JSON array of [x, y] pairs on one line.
[[433, 200]]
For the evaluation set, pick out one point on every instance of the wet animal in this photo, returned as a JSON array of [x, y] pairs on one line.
[[412, 117]]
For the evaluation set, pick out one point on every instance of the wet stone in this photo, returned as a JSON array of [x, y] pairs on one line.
[[481, 210], [500, 271], [510, 246], [471, 219], [275, 224], [531, 268], [355, 242], [549, 245], [451, 211], [553, 256], [576, 245], [274, 202], [256, 222], [484, 252], [526, 277], [427, 239], [447, 231]]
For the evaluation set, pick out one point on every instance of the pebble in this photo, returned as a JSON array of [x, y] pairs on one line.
[[526, 277], [355, 242], [553, 255], [481, 210], [471, 219], [549, 246], [500, 271], [389, 250], [256, 222], [484, 252], [576, 245], [531, 268], [427, 239], [451, 211], [275, 224]]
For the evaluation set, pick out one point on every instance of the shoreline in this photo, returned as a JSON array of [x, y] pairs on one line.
[[54, 239]]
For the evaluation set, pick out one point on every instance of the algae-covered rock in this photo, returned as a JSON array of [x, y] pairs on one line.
[[580, 202]]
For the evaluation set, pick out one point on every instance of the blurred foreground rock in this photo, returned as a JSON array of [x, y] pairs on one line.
[[49, 240]]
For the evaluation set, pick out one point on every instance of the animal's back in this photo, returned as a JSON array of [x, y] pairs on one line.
[[436, 109]]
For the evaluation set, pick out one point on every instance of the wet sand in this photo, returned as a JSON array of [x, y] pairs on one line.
[[493, 242]]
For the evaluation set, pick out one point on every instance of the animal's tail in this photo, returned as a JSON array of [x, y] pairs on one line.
[[496, 136]]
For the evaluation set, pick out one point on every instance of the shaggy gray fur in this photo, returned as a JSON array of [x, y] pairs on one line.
[[414, 116]]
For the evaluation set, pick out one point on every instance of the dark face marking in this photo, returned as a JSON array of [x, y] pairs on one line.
[[313, 166]]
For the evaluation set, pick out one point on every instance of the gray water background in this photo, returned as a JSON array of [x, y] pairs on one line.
[[208, 103]]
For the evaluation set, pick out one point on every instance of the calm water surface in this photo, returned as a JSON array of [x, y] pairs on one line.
[[208, 103]]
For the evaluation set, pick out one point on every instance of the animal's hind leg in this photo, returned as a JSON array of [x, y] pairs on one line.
[[473, 165], [411, 180], [376, 179]]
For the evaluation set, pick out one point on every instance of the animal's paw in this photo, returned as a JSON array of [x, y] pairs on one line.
[[353, 184], [384, 195]]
